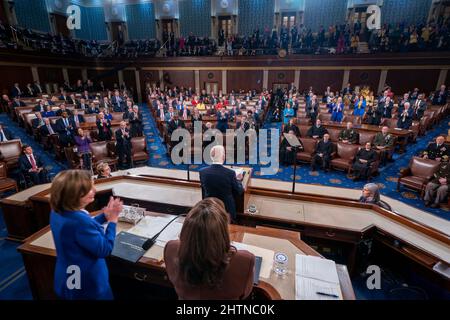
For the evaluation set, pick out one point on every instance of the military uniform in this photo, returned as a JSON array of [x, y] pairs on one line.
[[386, 141], [434, 151], [349, 134], [435, 192]]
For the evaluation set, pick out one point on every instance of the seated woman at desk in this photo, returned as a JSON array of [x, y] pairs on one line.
[[202, 264], [103, 171], [81, 242]]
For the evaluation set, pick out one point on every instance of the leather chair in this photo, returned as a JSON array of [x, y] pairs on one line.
[[117, 115], [365, 136], [6, 183], [351, 118], [344, 156], [390, 123], [373, 170], [334, 134], [72, 158], [432, 118], [418, 174], [139, 149], [309, 147], [325, 117], [90, 118], [423, 125], [10, 151], [303, 130], [304, 121], [103, 151]]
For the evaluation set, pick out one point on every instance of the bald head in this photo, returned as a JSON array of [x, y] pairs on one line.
[[218, 154]]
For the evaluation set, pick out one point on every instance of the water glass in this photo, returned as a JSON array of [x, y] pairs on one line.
[[280, 263]]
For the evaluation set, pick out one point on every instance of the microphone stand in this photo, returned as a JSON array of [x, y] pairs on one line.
[[295, 149]]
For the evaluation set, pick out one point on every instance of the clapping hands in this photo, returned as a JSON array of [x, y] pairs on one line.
[[113, 209]]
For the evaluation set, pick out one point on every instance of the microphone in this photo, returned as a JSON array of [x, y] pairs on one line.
[[151, 241]]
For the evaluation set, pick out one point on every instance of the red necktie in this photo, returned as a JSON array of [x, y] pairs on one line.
[[33, 163]]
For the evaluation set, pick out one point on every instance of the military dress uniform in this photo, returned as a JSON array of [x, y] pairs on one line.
[[351, 135], [434, 151], [386, 141], [435, 192]]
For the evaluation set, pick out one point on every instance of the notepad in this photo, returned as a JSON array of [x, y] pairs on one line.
[[128, 247], [265, 254], [149, 226], [313, 275]]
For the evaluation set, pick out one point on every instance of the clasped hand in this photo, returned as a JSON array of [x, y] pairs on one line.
[[113, 209]]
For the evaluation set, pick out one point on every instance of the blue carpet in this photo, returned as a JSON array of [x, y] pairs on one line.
[[387, 180], [14, 283]]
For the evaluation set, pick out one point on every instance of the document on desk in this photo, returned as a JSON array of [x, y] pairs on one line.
[[149, 226], [265, 254], [316, 279]]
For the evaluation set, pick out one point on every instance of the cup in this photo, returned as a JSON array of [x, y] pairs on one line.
[[280, 263], [252, 208]]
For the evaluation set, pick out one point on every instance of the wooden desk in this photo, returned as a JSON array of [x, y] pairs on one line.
[[39, 256]]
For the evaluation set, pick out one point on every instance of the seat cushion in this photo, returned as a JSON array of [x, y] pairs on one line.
[[304, 156], [341, 163], [414, 182]]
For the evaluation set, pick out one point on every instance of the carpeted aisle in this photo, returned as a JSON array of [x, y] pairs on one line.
[[387, 179]]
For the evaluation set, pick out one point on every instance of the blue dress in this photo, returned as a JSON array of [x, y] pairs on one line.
[[287, 115], [359, 111], [81, 241], [336, 114]]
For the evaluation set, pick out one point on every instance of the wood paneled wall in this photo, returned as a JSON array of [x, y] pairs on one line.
[[179, 78], [244, 80], [210, 76], [51, 75], [12, 74], [404, 80], [109, 78], [280, 76], [130, 78], [363, 78], [74, 75], [320, 79]]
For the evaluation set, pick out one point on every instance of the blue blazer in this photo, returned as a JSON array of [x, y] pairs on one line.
[[82, 241], [220, 182]]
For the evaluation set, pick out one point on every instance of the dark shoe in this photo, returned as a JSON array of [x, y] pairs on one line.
[[435, 205], [427, 203]]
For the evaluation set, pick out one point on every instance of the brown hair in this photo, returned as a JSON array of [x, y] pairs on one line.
[[68, 188], [205, 249]]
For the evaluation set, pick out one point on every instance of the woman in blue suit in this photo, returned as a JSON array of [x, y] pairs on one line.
[[82, 243], [359, 106], [337, 111], [288, 113]]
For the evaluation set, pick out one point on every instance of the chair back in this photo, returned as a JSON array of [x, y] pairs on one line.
[[90, 118], [365, 137], [346, 151], [334, 134], [138, 144], [309, 144], [100, 150], [325, 117], [10, 151], [3, 170], [424, 168], [303, 130]]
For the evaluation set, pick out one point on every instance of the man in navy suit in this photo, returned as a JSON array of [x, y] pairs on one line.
[[32, 166], [65, 130], [220, 182], [76, 119], [16, 92], [117, 102]]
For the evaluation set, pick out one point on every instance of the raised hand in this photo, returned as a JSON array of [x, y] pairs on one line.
[[113, 209]]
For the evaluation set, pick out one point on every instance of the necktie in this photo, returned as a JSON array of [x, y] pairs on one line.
[[33, 163], [50, 129], [65, 122]]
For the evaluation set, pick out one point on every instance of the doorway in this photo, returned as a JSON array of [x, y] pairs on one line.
[[288, 19], [226, 24], [212, 87]]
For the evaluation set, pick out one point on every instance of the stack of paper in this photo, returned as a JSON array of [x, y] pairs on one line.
[[316, 279], [265, 254], [149, 226]]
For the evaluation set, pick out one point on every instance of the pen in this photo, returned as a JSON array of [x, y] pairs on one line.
[[327, 294]]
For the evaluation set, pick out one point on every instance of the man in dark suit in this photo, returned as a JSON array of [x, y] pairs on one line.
[[291, 126], [31, 166], [5, 134], [385, 108], [47, 128], [37, 88], [363, 160], [440, 97], [37, 122], [117, 102], [406, 117], [174, 124], [104, 128], [76, 119], [322, 155], [29, 91], [18, 103], [15, 91], [93, 109], [65, 130], [419, 107], [40, 107], [220, 182], [123, 145], [82, 105], [64, 97], [347, 90], [317, 131], [62, 109]]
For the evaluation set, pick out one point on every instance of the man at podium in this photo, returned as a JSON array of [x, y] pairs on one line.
[[220, 182]]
